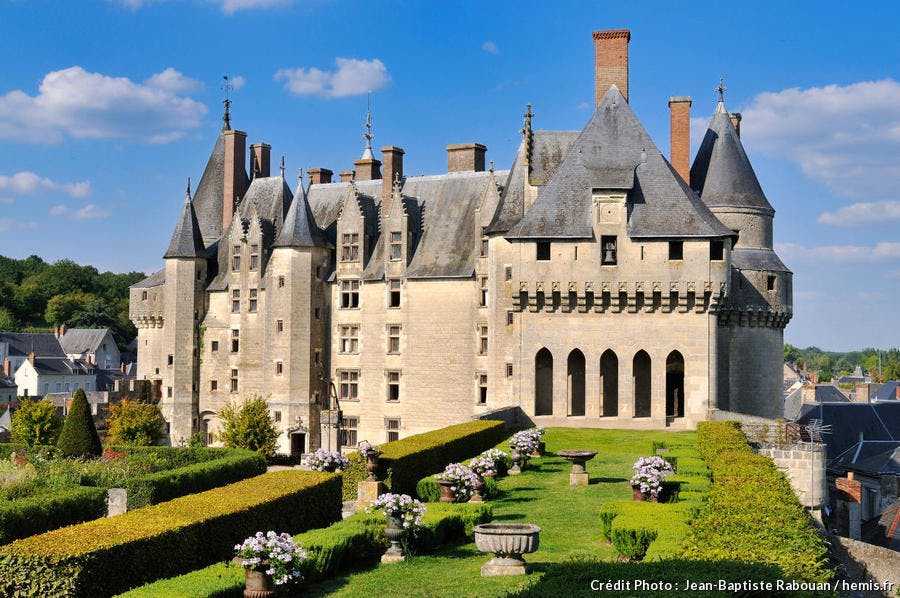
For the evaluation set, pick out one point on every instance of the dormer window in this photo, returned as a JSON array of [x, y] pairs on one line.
[[350, 247], [609, 256], [236, 257], [396, 246]]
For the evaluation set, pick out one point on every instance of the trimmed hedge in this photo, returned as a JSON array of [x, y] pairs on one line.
[[429, 490], [348, 544], [406, 461], [752, 511], [107, 556], [36, 514]]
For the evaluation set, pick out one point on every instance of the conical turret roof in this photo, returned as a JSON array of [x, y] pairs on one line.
[[300, 228], [186, 240]]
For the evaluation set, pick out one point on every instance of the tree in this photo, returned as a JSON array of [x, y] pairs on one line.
[[135, 423], [249, 426], [61, 308], [8, 322], [79, 436], [35, 422]]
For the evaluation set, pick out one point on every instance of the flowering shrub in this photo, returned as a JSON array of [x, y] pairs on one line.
[[649, 474], [276, 554], [408, 509], [366, 447], [483, 466], [464, 480], [324, 460], [525, 441]]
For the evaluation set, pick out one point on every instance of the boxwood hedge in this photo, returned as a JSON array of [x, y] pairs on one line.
[[36, 514], [110, 555]]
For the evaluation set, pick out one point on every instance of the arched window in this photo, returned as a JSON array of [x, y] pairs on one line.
[[575, 382], [609, 384], [543, 383], [640, 368], [675, 385]]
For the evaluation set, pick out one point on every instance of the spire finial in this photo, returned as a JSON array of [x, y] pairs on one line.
[[526, 132], [282, 166], [189, 189], [300, 177], [721, 89], [227, 86], [492, 166], [396, 186], [368, 135]]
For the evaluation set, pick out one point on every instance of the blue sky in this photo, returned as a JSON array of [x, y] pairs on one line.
[[106, 107]]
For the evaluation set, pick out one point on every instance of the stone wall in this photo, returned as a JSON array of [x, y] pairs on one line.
[[867, 562], [804, 465]]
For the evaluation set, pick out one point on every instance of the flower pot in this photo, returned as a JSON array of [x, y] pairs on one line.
[[447, 493], [508, 542], [637, 495], [372, 465], [258, 584], [516, 457], [478, 494], [393, 531]]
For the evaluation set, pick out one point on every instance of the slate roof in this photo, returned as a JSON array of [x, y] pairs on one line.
[[43, 344], [300, 228], [59, 367], [155, 279], [744, 258], [873, 457], [7, 382], [271, 197], [208, 198], [6, 419], [828, 393], [875, 421], [885, 530], [614, 151], [721, 172], [187, 241], [885, 392], [82, 340]]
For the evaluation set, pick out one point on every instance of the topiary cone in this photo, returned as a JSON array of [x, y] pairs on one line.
[[79, 436]]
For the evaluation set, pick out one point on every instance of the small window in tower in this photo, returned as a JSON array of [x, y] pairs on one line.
[[508, 273], [482, 339], [171, 359], [716, 251], [484, 242], [482, 389], [254, 257], [483, 291], [168, 391], [280, 281], [214, 346], [676, 250], [396, 245], [317, 356], [253, 299], [510, 318], [349, 294], [543, 251], [393, 389], [214, 385], [279, 326], [394, 299], [277, 416], [318, 271], [770, 283], [509, 370], [236, 257], [350, 247], [279, 368], [317, 312], [234, 380], [235, 340], [393, 346], [143, 295], [608, 246], [235, 301]]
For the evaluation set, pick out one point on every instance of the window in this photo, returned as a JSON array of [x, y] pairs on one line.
[[277, 416], [393, 346], [510, 318], [676, 250], [235, 301], [349, 294], [143, 295], [543, 251], [254, 257], [484, 242], [235, 340], [396, 245], [253, 299], [608, 247], [716, 251], [393, 429], [279, 368], [394, 298], [279, 326], [58, 387], [317, 312], [214, 346], [482, 339], [393, 386], [349, 339], [349, 428], [482, 389], [509, 370], [770, 283], [508, 273], [483, 291], [68, 387], [280, 282], [46, 387], [214, 385], [171, 359], [319, 272], [234, 380], [236, 257], [317, 356], [349, 385], [87, 386], [168, 391], [350, 247]]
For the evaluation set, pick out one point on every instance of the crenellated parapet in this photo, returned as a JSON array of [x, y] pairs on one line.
[[754, 316], [147, 321]]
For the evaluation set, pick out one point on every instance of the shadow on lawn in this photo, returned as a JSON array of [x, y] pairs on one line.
[[608, 480]]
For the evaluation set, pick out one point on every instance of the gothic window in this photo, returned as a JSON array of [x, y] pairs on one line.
[[349, 294], [236, 257], [235, 301], [608, 246], [396, 245], [234, 380], [676, 250], [394, 298], [350, 339], [253, 299], [393, 346], [348, 385], [543, 251], [350, 247], [482, 339], [483, 291], [254, 257], [393, 386], [392, 426], [349, 431], [482, 389]]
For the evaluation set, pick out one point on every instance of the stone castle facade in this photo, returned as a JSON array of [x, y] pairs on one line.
[[594, 283]]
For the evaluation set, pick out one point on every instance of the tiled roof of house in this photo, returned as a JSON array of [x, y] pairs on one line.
[[21, 344], [82, 340]]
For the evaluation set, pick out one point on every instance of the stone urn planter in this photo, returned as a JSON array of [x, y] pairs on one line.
[[393, 531], [579, 475], [637, 495], [478, 493], [258, 584], [508, 542], [516, 457], [372, 464], [541, 447], [447, 493]]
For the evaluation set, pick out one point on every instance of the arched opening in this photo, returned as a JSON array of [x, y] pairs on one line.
[[543, 383], [609, 384], [640, 368], [575, 382], [675, 385]]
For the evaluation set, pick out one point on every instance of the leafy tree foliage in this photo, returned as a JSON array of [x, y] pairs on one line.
[[79, 436], [880, 364], [249, 425], [7, 320], [35, 422], [135, 423]]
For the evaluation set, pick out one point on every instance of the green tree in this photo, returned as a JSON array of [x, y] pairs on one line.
[[61, 308], [8, 321], [79, 436], [135, 423], [791, 353], [35, 422], [249, 426]]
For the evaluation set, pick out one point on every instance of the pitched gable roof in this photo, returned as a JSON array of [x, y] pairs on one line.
[[300, 228], [271, 197], [187, 241], [82, 340], [43, 344]]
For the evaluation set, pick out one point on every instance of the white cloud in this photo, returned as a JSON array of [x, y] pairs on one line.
[[847, 137], [839, 254], [79, 104], [352, 77], [29, 183], [7, 225], [864, 213], [59, 210], [237, 82], [173, 81], [89, 212], [228, 6], [490, 47], [583, 106]]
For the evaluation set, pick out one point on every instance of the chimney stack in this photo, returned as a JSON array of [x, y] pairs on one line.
[[319, 176], [62, 329], [680, 135], [259, 160], [465, 157], [610, 62], [122, 367], [736, 121], [367, 169], [346, 175], [56, 331], [7, 368], [31, 358], [393, 167], [235, 176]]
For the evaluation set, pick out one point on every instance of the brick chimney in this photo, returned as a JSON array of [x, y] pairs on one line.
[[465, 157], [318, 176], [851, 489], [680, 135], [56, 331], [367, 169], [235, 177], [122, 367], [736, 121], [393, 167], [7, 368], [31, 358], [610, 62], [259, 160], [346, 175], [62, 329]]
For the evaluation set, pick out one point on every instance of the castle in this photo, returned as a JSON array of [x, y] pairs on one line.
[[594, 283]]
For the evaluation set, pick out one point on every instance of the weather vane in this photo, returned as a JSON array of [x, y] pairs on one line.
[[227, 86], [721, 89], [368, 134]]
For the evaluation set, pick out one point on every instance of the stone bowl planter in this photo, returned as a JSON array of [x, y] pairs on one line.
[[579, 459], [508, 542]]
